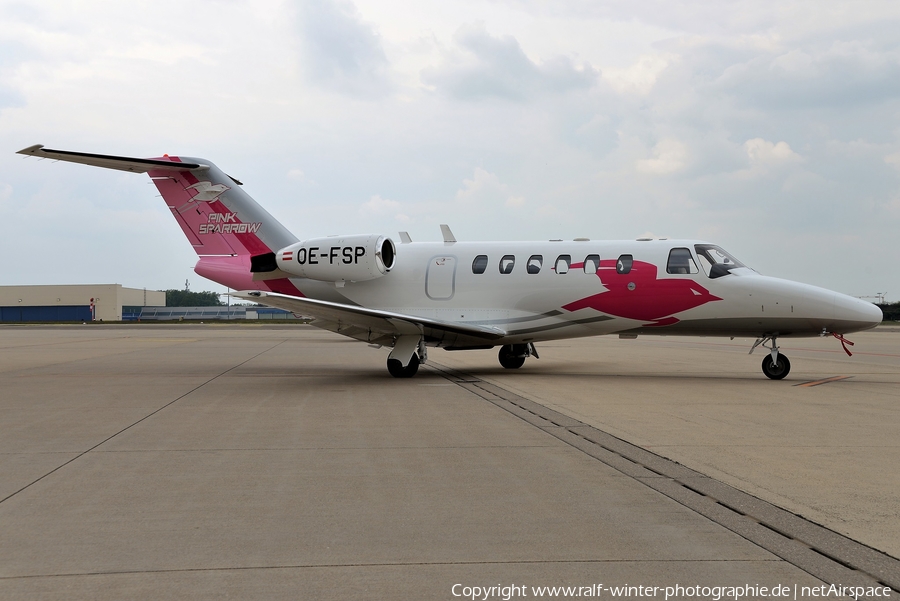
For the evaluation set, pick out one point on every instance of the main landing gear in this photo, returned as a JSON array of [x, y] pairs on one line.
[[408, 353], [775, 365], [396, 368], [512, 356]]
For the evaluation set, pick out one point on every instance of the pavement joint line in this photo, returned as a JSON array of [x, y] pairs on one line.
[[290, 449], [381, 565], [149, 415], [60, 343], [819, 551]]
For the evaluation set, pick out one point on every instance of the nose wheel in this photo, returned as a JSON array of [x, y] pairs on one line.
[[776, 369], [775, 365]]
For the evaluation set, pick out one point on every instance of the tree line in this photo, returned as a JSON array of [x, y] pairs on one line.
[[188, 298], [891, 311]]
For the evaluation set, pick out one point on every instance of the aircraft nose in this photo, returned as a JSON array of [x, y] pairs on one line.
[[855, 313]]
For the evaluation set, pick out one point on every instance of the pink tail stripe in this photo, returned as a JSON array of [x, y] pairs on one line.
[[209, 225]]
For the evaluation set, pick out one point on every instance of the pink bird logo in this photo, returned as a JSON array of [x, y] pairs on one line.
[[640, 295]]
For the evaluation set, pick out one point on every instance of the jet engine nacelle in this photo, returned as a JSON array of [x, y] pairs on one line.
[[339, 258]]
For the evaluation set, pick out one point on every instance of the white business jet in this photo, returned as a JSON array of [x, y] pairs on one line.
[[478, 295]]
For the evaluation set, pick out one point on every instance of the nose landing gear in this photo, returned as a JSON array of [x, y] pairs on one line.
[[776, 368], [775, 365]]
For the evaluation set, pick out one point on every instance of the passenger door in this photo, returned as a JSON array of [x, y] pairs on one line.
[[440, 277]]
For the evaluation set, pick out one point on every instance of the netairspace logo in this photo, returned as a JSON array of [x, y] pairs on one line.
[[714, 593]]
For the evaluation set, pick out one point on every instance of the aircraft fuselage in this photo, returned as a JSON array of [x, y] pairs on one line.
[[534, 301]]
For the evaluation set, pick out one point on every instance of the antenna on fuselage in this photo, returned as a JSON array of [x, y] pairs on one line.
[[449, 238]]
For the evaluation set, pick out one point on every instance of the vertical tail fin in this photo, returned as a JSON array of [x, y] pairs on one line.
[[215, 214], [225, 226], [217, 217]]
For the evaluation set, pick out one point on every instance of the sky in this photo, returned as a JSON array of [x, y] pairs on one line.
[[771, 128]]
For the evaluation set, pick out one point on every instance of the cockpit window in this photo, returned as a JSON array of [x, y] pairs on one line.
[[534, 264], [479, 264], [562, 263], [715, 261], [681, 262], [507, 263], [623, 265], [591, 264]]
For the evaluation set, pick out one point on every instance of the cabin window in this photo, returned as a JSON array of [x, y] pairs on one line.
[[507, 263], [479, 264], [534, 264], [562, 263], [681, 262], [623, 265], [591, 264]]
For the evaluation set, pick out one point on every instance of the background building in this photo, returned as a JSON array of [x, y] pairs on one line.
[[113, 302], [73, 302]]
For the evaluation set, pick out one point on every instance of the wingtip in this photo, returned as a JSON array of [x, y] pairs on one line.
[[31, 149], [247, 294]]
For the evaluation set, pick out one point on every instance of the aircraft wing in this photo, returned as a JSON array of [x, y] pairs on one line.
[[374, 325], [131, 164]]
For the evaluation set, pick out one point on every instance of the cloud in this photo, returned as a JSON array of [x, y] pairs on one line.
[[5, 193], [379, 206], [742, 109], [770, 159], [763, 152], [695, 16], [669, 156], [12, 55], [485, 188], [482, 182], [640, 77], [845, 73], [340, 51], [893, 160], [485, 66]]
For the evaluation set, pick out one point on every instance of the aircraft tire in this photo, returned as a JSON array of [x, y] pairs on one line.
[[512, 356], [777, 370], [396, 369]]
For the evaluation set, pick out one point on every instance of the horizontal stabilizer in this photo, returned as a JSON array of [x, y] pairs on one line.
[[131, 164]]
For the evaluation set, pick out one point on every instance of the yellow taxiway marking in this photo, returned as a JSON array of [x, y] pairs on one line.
[[824, 381]]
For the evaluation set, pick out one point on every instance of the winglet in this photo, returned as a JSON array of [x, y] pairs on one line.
[[404, 238], [448, 235]]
